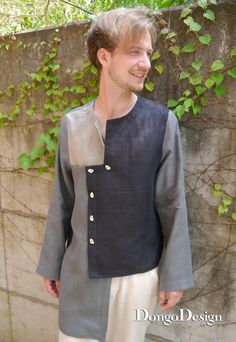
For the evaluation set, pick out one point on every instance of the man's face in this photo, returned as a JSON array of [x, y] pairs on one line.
[[129, 64]]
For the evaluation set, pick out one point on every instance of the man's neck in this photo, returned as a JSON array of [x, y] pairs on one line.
[[114, 105]]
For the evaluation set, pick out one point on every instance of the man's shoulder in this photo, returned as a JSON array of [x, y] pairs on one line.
[[153, 108], [80, 111], [151, 105]]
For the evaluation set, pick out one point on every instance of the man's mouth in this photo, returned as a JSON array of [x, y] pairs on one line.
[[139, 75]]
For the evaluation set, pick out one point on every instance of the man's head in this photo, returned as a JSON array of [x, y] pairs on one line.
[[118, 26]]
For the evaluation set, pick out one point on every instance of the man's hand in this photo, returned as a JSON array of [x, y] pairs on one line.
[[52, 287], [168, 299]]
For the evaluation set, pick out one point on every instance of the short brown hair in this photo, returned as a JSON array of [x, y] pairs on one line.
[[109, 28]]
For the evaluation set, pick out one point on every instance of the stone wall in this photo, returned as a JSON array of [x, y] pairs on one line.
[[27, 312]]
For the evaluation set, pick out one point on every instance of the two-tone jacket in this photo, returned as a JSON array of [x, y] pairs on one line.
[[117, 207]]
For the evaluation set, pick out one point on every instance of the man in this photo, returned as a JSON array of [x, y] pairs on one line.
[[118, 196]]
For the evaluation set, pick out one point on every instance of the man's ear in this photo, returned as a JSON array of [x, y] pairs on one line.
[[102, 56]]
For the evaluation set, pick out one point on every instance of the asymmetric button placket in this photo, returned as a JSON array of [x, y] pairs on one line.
[[91, 215], [92, 224]]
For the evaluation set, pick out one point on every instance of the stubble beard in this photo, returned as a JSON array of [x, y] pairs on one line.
[[125, 85]]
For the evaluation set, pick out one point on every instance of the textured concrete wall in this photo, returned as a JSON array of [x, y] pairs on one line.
[[27, 312]]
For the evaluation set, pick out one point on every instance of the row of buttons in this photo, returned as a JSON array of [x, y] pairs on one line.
[[92, 195], [107, 167]]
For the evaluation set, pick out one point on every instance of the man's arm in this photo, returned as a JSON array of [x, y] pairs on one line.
[[58, 226], [175, 269]]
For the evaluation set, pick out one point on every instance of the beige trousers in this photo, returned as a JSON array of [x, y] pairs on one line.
[[127, 294]]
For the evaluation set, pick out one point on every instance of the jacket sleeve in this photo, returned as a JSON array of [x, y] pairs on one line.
[[58, 225], [175, 268]]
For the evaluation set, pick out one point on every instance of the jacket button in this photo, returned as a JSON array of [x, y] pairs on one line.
[[107, 167], [91, 170], [91, 218], [91, 194], [91, 241]]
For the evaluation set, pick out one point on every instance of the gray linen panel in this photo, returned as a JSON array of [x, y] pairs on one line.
[[175, 268]]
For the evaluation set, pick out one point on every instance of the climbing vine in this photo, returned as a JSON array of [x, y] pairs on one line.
[[196, 84]]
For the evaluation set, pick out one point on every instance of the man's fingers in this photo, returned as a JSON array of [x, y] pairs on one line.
[[171, 299], [162, 297], [52, 287]]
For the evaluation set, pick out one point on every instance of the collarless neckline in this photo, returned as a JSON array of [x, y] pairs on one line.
[[127, 116]]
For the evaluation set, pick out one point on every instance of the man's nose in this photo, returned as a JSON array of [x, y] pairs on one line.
[[144, 62]]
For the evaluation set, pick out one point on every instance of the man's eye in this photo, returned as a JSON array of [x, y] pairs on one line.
[[134, 52]]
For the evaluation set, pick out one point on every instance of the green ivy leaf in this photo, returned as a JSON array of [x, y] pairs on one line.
[[200, 90], [185, 12], [193, 25], [184, 74], [219, 91], [24, 161], [209, 83], [172, 103], [36, 77], [202, 3], [209, 15], [165, 30], [89, 98], [227, 201], [149, 86], [52, 78], [188, 48], [233, 52], [197, 65], [52, 54], [214, 2], [93, 70], [195, 79], [54, 131], [75, 103], [217, 187], [203, 101], [54, 67], [37, 152], [50, 107], [30, 112], [46, 59], [78, 76], [159, 68], [52, 146], [55, 118], [65, 102], [92, 83], [80, 89], [217, 193], [234, 215], [155, 55], [232, 72], [171, 35], [188, 103], [205, 39], [217, 78], [41, 169], [187, 92], [51, 161], [86, 64], [44, 139], [197, 109], [179, 111], [222, 209], [217, 65], [175, 49]]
